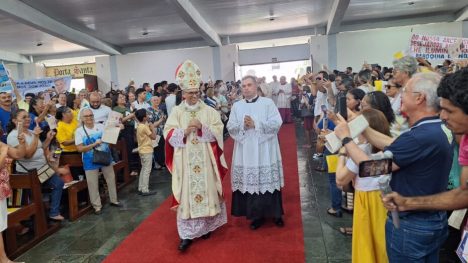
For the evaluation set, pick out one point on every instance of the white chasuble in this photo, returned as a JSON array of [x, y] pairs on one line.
[[256, 161], [196, 178]]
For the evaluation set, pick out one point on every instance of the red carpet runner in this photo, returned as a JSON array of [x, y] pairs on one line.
[[156, 239]]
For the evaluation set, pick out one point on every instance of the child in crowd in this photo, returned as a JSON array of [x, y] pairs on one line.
[[145, 134]]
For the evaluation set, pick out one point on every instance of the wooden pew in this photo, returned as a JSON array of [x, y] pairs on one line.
[[122, 165], [74, 211], [34, 210], [75, 160]]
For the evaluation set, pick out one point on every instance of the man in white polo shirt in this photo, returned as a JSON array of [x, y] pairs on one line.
[[140, 102], [101, 112]]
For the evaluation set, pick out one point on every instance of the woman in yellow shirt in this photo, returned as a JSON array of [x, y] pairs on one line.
[[369, 215], [66, 126]]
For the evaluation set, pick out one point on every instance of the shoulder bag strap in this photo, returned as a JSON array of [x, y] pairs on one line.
[[22, 166], [87, 135], [28, 170]]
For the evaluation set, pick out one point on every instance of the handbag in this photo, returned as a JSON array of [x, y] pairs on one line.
[[100, 157], [43, 173]]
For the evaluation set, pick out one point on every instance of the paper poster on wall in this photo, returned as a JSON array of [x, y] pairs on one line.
[[5, 83], [61, 85], [438, 47]]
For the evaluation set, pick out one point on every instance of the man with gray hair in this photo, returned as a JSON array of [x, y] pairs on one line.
[[422, 159], [403, 69]]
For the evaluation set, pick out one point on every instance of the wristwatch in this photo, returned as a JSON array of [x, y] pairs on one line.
[[346, 140]]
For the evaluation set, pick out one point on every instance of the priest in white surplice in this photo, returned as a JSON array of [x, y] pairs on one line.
[[194, 156], [274, 87], [265, 88], [284, 100], [257, 170]]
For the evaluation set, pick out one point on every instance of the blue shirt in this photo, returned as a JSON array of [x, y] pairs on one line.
[[424, 155], [4, 118], [94, 135], [148, 96], [32, 123], [330, 126]]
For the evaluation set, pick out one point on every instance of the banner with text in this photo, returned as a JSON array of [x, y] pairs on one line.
[[5, 84], [61, 85], [438, 47], [76, 71]]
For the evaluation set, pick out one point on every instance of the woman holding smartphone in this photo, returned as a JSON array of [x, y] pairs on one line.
[[307, 112], [128, 133], [156, 116], [35, 157], [369, 214]]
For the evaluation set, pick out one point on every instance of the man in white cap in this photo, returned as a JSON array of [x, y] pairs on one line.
[[194, 156]]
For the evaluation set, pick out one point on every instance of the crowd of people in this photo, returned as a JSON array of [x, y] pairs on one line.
[[417, 119], [416, 115]]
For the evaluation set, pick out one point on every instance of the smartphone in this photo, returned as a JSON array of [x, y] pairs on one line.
[[19, 127], [324, 109], [373, 168], [341, 105], [46, 97]]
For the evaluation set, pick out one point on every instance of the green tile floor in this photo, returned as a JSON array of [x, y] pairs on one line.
[[92, 237]]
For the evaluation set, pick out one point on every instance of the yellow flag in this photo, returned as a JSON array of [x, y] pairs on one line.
[[398, 55], [378, 85], [332, 161]]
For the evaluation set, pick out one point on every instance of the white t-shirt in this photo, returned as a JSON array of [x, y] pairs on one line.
[[101, 114], [363, 184], [36, 161], [320, 100], [143, 105], [170, 103]]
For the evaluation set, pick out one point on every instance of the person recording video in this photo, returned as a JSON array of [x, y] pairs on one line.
[[422, 159]]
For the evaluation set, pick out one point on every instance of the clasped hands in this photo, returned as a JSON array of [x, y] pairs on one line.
[[193, 126], [248, 122]]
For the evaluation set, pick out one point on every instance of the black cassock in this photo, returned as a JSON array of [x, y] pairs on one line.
[[257, 206]]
